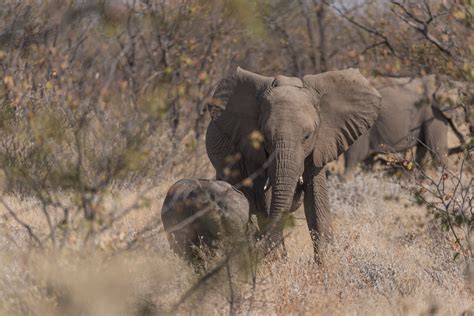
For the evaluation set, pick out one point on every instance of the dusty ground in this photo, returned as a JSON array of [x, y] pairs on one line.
[[387, 258]]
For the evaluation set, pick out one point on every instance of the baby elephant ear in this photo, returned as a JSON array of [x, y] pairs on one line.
[[348, 107]]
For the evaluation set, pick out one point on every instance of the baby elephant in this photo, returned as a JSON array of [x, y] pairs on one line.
[[200, 212]]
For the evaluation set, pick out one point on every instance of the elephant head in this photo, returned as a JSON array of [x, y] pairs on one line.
[[446, 96], [304, 123]]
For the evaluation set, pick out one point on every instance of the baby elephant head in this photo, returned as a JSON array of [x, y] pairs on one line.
[[198, 212]]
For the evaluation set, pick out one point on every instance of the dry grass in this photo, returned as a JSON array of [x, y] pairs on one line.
[[387, 258]]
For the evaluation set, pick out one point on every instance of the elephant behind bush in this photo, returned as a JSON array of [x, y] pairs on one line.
[[414, 113], [207, 213]]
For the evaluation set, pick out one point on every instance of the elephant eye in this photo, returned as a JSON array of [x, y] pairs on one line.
[[306, 136]]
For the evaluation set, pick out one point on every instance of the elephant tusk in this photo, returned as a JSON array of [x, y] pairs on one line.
[[300, 180]]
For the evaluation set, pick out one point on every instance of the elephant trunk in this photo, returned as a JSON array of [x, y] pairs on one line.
[[284, 174]]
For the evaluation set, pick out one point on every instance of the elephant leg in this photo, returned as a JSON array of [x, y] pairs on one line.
[[436, 136], [420, 154], [358, 152], [316, 207]]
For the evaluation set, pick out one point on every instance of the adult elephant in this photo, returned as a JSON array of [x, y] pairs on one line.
[[267, 133], [412, 114]]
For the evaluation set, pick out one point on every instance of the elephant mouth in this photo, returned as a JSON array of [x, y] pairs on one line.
[[267, 183], [266, 187]]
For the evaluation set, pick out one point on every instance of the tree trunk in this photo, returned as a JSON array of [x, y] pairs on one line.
[[320, 15]]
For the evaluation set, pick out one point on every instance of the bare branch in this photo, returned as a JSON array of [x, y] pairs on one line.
[[420, 25], [22, 223], [367, 29]]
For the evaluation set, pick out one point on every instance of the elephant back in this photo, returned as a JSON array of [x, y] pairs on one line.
[[287, 81]]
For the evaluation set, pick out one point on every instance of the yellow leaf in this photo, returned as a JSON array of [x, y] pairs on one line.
[[247, 182], [227, 171], [256, 139], [168, 70], [203, 76], [181, 90], [233, 158], [397, 65], [216, 101], [186, 60], [460, 15], [123, 84], [8, 81]]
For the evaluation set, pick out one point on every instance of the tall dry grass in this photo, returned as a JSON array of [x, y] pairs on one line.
[[388, 257]]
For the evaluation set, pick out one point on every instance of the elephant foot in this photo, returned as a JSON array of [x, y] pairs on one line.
[[348, 175], [320, 246]]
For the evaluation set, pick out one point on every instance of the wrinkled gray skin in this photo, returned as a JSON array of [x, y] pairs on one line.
[[199, 212], [304, 123], [410, 116]]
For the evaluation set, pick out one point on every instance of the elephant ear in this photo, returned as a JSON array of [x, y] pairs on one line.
[[348, 107], [234, 104]]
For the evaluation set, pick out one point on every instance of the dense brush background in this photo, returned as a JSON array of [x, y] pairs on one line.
[[103, 108]]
